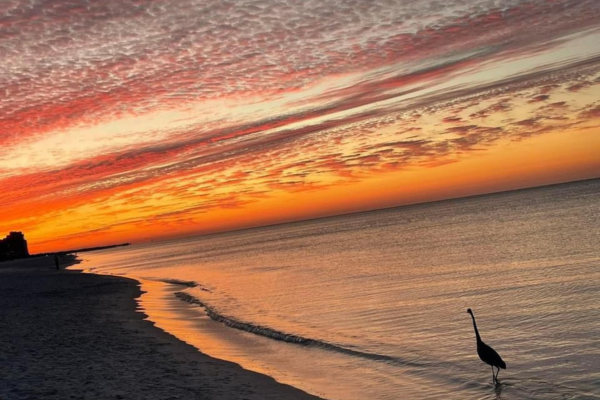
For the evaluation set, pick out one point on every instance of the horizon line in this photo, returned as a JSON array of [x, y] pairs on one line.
[[173, 238]]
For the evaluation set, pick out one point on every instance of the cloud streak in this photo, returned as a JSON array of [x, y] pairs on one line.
[[167, 110]]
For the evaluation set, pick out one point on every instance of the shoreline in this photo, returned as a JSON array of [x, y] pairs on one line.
[[81, 335]]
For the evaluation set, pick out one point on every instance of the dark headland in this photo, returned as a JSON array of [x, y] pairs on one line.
[[82, 250], [14, 246]]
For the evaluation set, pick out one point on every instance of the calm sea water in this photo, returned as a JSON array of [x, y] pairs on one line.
[[373, 305]]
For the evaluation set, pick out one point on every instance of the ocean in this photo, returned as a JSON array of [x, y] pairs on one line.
[[373, 305]]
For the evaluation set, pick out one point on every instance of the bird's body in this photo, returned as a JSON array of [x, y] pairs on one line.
[[486, 353], [490, 356]]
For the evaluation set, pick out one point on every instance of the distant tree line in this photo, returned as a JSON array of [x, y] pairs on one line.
[[13, 246]]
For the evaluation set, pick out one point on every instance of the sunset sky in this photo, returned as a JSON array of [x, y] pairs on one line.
[[131, 120]]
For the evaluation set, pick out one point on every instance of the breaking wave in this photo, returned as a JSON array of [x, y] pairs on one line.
[[290, 338], [190, 284]]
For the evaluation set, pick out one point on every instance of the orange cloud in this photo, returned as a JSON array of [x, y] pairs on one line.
[[201, 122]]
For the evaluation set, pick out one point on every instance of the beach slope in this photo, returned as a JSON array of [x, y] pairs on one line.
[[70, 335]]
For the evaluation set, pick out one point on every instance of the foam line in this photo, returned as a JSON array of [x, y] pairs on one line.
[[287, 337]]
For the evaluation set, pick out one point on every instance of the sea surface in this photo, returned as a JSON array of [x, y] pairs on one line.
[[373, 305]]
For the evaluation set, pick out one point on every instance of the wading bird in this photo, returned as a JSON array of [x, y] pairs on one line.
[[486, 353]]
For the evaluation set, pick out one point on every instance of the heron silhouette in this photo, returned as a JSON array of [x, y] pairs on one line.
[[486, 353]]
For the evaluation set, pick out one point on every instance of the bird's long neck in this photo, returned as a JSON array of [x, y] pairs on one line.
[[475, 327]]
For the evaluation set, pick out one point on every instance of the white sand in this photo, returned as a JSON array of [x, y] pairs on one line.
[[69, 335]]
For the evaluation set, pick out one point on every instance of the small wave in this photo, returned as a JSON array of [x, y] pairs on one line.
[[289, 338], [190, 284], [269, 269], [179, 282]]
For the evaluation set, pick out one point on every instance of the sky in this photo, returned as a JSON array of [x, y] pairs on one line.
[[137, 120]]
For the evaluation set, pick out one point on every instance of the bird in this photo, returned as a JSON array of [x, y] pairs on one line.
[[487, 354]]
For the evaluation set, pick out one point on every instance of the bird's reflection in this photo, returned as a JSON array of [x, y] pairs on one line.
[[498, 390]]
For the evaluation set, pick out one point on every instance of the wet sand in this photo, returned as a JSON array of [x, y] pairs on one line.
[[69, 335]]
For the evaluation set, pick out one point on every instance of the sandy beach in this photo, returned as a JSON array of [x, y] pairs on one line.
[[70, 335]]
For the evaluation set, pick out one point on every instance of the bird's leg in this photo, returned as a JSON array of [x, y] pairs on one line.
[[493, 375], [497, 381]]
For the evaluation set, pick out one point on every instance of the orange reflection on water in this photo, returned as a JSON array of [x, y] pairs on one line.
[[189, 323]]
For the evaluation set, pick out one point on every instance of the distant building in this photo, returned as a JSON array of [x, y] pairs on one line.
[[13, 246]]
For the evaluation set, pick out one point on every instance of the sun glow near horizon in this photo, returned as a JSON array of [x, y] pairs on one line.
[[131, 132]]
